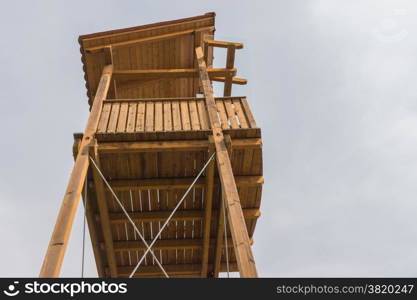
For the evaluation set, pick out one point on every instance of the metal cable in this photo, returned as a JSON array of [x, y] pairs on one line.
[[170, 216], [129, 218]]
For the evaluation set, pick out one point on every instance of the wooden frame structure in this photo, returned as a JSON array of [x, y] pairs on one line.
[[149, 135]]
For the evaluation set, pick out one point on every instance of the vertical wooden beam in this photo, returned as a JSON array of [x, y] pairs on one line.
[[221, 225], [91, 223], [219, 238], [54, 256], [230, 62], [103, 212], [208, 197], [240, 237]]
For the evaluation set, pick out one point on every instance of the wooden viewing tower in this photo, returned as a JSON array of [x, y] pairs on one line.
[[161, 154]]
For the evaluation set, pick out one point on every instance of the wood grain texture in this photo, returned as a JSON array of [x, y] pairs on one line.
[[240, 237], [52, 263]]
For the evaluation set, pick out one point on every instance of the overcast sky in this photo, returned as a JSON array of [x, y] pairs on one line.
[[332, 84]]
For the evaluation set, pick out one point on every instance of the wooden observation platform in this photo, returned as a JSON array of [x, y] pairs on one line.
[[156, 133]]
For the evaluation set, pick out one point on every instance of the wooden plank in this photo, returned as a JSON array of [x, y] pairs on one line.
[[235, 80], [147, 39], [103, 212], [167, 116], [140, 118], [175, 183], [195, 122], [176, 116], [248, 113], [171, 99], [171, 244], [208, 197], [131, 120], [122, 121], [174, 145], [231, 113], [149, 122], [240, 114], [104, 118], [222, 44], [202, 113], [240, 237], [174, 270], [159, 117], [222, 114], [54, 256], [139, 74], [114, 116], [185, 115]]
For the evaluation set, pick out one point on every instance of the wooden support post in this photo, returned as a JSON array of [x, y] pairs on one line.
[[230, 61], [104, 212], [221, 225], [219, 240], [208, 197], [236, 220], [90, 222], [54, 256]]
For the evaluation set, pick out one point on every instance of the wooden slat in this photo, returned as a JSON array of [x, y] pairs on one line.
[[114, 116], [159, 117], [104, 118], [149, 119], [240, 114], [185, 115], [122, 121], [176, 116], [195, 122], [140, 118], [167, 116], [202, 112], [52, 263], [248, 113], [131, 120], [231, 115], [240, 237], [222, 114]]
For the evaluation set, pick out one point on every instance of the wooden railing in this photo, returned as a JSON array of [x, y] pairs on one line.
[[172, 114]]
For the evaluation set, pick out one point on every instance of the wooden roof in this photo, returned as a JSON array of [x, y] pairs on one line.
[[164, 45]]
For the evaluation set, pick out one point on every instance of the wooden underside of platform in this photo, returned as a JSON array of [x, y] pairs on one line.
[[150, 181]]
